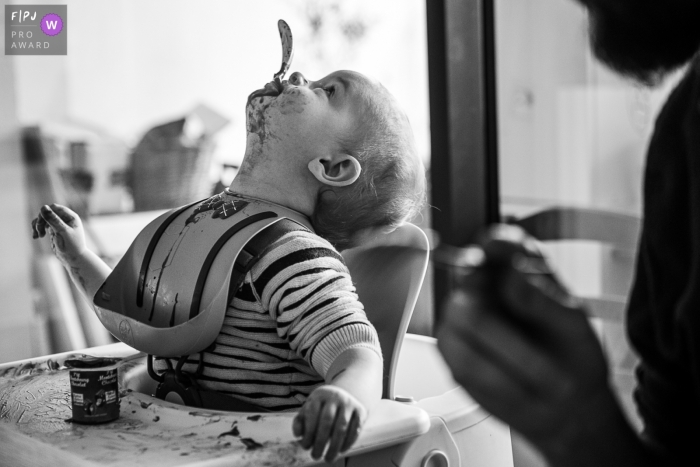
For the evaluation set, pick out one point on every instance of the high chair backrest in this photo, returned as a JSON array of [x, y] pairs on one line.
[[388, 274]]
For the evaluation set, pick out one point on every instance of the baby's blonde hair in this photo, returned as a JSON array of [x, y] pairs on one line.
[[391, 187]]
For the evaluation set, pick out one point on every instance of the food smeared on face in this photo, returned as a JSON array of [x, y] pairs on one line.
[[274, 98], [305, 119]]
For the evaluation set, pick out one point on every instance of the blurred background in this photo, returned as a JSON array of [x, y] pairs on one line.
[[146, 112]]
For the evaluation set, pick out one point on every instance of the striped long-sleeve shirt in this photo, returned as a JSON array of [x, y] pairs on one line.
[[295, 312]]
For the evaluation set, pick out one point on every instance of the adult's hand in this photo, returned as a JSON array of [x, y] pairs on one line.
[[525, 351]]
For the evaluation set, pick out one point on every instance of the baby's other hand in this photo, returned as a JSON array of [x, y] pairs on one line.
[[332, 416], [65, 229]]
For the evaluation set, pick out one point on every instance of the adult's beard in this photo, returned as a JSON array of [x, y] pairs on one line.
[[644, 39]]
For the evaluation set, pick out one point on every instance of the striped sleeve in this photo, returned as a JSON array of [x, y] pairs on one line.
[[303, 283]]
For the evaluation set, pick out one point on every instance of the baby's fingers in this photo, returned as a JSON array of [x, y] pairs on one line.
[[68, 216], [323, 432], [38, 227], [309, 416], [339, 435], [53, 220], [298, 425], [352, 432]]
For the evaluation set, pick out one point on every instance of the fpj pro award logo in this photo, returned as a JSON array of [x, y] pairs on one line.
[[36, 29]]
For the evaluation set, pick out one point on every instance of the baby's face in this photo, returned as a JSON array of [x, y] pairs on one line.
[[308, 118]]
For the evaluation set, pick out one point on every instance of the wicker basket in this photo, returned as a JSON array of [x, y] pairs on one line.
[[167, 170]]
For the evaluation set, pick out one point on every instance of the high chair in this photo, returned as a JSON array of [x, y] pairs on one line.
[[388, 274], [435, 424]]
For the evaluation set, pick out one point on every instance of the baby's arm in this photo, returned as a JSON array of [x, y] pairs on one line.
[[334, 414], [86, 269], [305, 286]]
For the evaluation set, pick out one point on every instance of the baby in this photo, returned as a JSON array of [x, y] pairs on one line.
[[340, 152]]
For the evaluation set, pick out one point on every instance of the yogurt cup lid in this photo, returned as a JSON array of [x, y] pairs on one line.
[[89, 362]]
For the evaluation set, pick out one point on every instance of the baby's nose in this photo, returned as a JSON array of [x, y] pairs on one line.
[[297, 79]]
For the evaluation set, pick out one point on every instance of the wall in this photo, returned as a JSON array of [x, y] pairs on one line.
[[16, 310], [570, 131], [133, 64]]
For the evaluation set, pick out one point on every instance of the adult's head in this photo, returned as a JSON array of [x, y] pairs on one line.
[[342, 150], [644, 39]]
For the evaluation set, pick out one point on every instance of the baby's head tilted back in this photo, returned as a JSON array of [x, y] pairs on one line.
[[391, 186]]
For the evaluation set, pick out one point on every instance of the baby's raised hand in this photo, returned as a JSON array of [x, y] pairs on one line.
[[65, 229], [331, 416]]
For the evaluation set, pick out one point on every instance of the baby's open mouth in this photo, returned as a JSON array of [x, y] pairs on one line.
[[273, 89]]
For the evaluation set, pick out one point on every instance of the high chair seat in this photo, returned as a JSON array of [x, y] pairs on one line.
[[388, 274]]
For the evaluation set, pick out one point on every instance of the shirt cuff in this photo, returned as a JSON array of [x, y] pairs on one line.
[[347, 337]]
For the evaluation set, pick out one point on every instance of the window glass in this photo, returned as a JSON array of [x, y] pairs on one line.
[[571, 132]]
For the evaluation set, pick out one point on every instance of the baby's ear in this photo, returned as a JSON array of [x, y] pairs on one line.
[[336, 170]]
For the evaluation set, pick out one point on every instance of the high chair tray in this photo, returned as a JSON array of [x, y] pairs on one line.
[[35, 404]]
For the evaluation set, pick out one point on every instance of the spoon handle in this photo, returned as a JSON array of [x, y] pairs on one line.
[[287, 48]]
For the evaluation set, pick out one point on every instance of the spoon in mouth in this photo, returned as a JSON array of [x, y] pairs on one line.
[[287, 51]]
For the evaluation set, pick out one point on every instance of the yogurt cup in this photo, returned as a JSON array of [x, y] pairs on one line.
[[94, 384]]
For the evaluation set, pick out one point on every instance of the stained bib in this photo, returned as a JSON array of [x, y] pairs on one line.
[[168, 295]]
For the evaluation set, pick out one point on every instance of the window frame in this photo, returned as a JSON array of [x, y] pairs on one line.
[[463, 124]]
